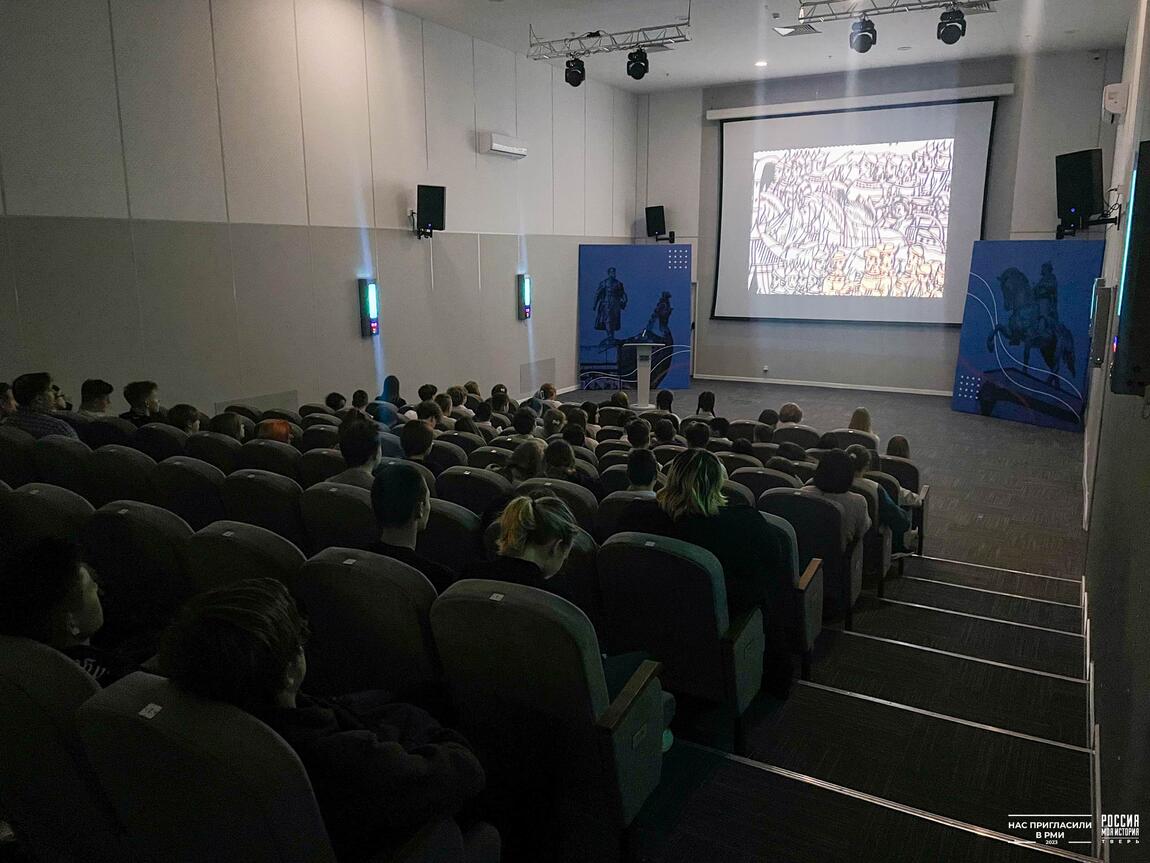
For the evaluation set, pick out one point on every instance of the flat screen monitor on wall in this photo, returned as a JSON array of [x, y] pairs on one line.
[[863, 215]]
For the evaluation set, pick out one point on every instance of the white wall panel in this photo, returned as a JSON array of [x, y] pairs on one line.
[[59, 127], [398, 121], [495, 109], [333, 81], [260, 110], [449, 70], [569, 170], [533, 112], [599, 159], [676, 123], [642, 155], [623, 137]]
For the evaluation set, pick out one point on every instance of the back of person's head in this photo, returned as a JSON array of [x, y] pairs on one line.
[[399, 496], [577, 417], [553, 421], [428, 411], [278, 430], [790, 413], [860, 420], [769, 417], [390, 391], [827, 441], [638, 433], [835, 472], [138, 393], [664, 431], [697, 435], [619, 399], [444, 402], [792, 451], [458, 396], [558, 460], [471, 388], [706, 403], [535, 521], [95, 392], [359, 399], [524, 421], [720, 426], [642, 468], [526, 462], [499, 400], [860, 458], [664, 399], [33, 389], [592, 411], [427, 392], [335, 401], [415, 438], [574, 435], [694, 485], [898, 446], [239, 644], [483, 412], [547, 391], [184, 417], [742, 446], [227, 424], [48, 594], [783, 465], [359, 442]]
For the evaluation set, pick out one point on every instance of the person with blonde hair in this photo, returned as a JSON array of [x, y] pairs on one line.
[[860, 421], [692, 507]]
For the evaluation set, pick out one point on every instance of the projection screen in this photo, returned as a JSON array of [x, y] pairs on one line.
[[864, 215]]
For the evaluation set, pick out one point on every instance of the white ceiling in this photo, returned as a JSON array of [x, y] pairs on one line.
[[729, 36]]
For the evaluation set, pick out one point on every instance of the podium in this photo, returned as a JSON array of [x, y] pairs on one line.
[[642, 373]]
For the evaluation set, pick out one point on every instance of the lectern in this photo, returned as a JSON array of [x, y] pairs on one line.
[[642, 373]]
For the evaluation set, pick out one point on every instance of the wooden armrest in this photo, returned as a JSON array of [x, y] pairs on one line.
[[618, 708], [736, 627], [809, 573]]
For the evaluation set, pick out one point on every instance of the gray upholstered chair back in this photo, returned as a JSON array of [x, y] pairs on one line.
[[846, 437], [324, 419], [738, 494], [338, 515], [488, 456], [216, 449], [451, 537], [291, 416], [904, 470], [160, 440], [803, 435], [613, 458], [314, 408], [228, 551], [38, 510], [734, 461], [266, 499], [817, 522], [613, 479], [444, 455], [611, 509], [316, 465], [272, 456], [121, 473], [65, 462], [612, 446], [464, 440], [745, 429], [579, 500], [665, 453], [428, 477], [472, 487], [109, 429], [759, 479], [16, 464], [888, 483], [764, 452], [250, 798], [191, 488], [319, 437]]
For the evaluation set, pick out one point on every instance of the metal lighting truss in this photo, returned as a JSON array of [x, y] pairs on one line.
[[658, 38], [821, 11]]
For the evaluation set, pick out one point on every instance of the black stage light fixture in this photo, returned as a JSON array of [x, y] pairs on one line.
[[863, 35], [575, 72], [637, 64], [951, 26]]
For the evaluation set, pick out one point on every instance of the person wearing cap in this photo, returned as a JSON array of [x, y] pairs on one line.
[[95, 398], [402, 506]]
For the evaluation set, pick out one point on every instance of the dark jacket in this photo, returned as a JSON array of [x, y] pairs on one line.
[[106, 666], [380, 770], [440, 576]]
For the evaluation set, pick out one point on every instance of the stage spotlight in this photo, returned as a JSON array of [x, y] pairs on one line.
[[864, 36], [951, 26], [575, 72], [637, 63]]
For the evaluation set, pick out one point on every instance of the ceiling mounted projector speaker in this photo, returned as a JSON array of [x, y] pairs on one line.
[[575, 72], [502, 145], [637, 64], [951, 26], [864, 36]]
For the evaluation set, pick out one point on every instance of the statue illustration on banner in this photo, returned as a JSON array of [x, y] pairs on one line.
[[630, 295]]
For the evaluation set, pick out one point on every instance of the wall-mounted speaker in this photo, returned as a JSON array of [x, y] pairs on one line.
[[1100, 308], [430, 213], [1130, 373], [656, 222], [1079, 186]]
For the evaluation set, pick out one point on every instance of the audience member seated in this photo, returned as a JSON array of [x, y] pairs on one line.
[[697, 435], [782, 465], [35, 402], [790, 414], [559, 463], [769, 417], [50, 596], [443, 402], [794, 452], [553, 422], [663, 401], [359, 445], [458, 395], [742, 446], [692, 507], [619, 399], [143, 398], [719, 429], [642, 470], [890, 514], [523, 422], [379, 770], [639, 434], [547, 394], [184, 417], [359, 400], [390, 392], [898, 447], [576, 436], [706, 404], [499, 401], [335, 402], [526, 462], [832, 480], [277, 430], [227, 424], [416, 438], [592, 424], [483, 417], [7, 401], [402, 505], [535, 537], [860, 421], [472, 389], [95, 398], [427, 392], [664, 432]]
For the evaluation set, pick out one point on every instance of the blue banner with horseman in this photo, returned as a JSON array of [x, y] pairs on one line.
[[630, 295], [1024, 348]]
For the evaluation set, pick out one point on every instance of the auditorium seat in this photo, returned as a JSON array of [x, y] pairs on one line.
[[804, 436], [250, 798], [818, 528], [121, 473], [429, 478], [584, 454], [733, 461], [314, 408], [668, 598], [817, 453], [323, 419], [51, 797], [614, 458], [609, 432], [451, 537], [738, 494], [160, 441], [464, 440], [191, 488], [888, 483], [654, 416], [664, 453], [272, 456], [444, 455], [290, 416], [504, 443], [76, 420], [579, 500], [16, 464], [804, 470], [248, 411], [265, 499], [804, 603], [108, 430], [37, 510], [368, 616], [614, 479], [524, 671], [759, 479], [473, 488], [878, 541], [228, 551], [319, 437], [764, 452], [902, 469], [847, 437], [338, 515], [488, 456], [745, 429], [588, 473], [390, 445], [611, 415], [139, 552], [317, 465], [609, 446], [65, 462], [216, 449]]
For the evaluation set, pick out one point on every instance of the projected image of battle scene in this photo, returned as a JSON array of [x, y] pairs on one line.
[[861, 220]]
